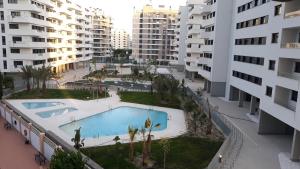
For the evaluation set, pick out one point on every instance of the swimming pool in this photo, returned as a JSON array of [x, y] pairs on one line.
[[115, 122], [36, 105], [56, 112]]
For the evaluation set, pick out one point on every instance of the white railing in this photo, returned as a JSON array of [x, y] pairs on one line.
[[227, 155]]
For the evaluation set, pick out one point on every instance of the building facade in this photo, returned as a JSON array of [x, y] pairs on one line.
[[264, 64], [248, 51], [180, 38], [120, 39], [37, 32], [153, 34], [102, 25]]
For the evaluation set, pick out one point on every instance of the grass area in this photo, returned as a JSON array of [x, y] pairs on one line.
[[148, 99], [55, 94], [185, 153]]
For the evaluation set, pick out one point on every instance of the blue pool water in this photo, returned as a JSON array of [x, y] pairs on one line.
[[56, 112], [115, 122], [36, 105]]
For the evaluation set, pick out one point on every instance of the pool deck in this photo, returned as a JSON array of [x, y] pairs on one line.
[[176, 123], [14, 153]]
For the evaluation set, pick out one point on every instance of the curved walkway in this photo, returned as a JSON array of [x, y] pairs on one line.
[[14, 154]]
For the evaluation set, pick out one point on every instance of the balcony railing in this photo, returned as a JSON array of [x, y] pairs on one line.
[[292, 14], [291, 45]]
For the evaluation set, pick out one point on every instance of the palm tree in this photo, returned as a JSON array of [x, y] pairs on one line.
[[144, 151], [78, 142], [166, 148], [27, 75], [150, 126], [101, 75], [37, 75], [132, 132], [46, 74]]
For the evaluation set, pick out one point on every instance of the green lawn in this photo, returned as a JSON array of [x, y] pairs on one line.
[[55, 94], [185, 153], [148, 99]]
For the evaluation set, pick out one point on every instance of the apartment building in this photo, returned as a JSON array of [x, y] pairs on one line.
[[153, 34], [209, 28], [120, 39], [252, 48], [102, 25], [57, 33], [264, 65], [180, 38]]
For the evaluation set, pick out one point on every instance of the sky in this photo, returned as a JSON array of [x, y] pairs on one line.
[[121, 11]]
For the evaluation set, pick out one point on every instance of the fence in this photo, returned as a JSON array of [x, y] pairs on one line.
[[43, 141], [230, 149]]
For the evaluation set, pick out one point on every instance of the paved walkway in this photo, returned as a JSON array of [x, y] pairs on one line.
[[258, 151], [14, 154]]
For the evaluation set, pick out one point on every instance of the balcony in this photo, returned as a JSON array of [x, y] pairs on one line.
[[24, 7], [292, 8], [27, 44], [193, 49], [290, 38], [283, 98], [195, 40]]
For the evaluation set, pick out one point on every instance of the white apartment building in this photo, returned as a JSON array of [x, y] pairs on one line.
[[57, 33], [252, 48], [102, 25], [264, 65], [207, 44], [153, 34], [120, 39], [180, 38]]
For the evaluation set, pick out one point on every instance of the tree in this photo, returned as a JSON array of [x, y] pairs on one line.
[[160, 86], [131, 132], [62, 160], [144, 151], [27, 75], [46, 74], [37, 75], [78, 142], [150, 126], [165, 144], [1, 85], [173, 86], [209, 125]]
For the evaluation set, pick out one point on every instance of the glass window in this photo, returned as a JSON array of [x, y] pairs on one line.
[[294, 96], [272, 64], [275, 37], [277, 10], [269, 91]]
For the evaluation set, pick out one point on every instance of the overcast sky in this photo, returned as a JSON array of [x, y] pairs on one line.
[[121, 10]]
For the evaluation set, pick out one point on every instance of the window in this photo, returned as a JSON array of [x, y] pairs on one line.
[[12, 1], [16, 39], [13, 50], [2, 28], [294, 96], [15, 13], [275, 37], [18, 63], [4, 64], [272, 64], [3, 40], [13, 26], [297, 67], [38, 50], [1, 15], [1, 3], [4, 52], [277, 10], [269, 91]]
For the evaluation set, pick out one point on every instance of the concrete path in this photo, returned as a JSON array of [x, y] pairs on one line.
[[14, 154], [258, 151]]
